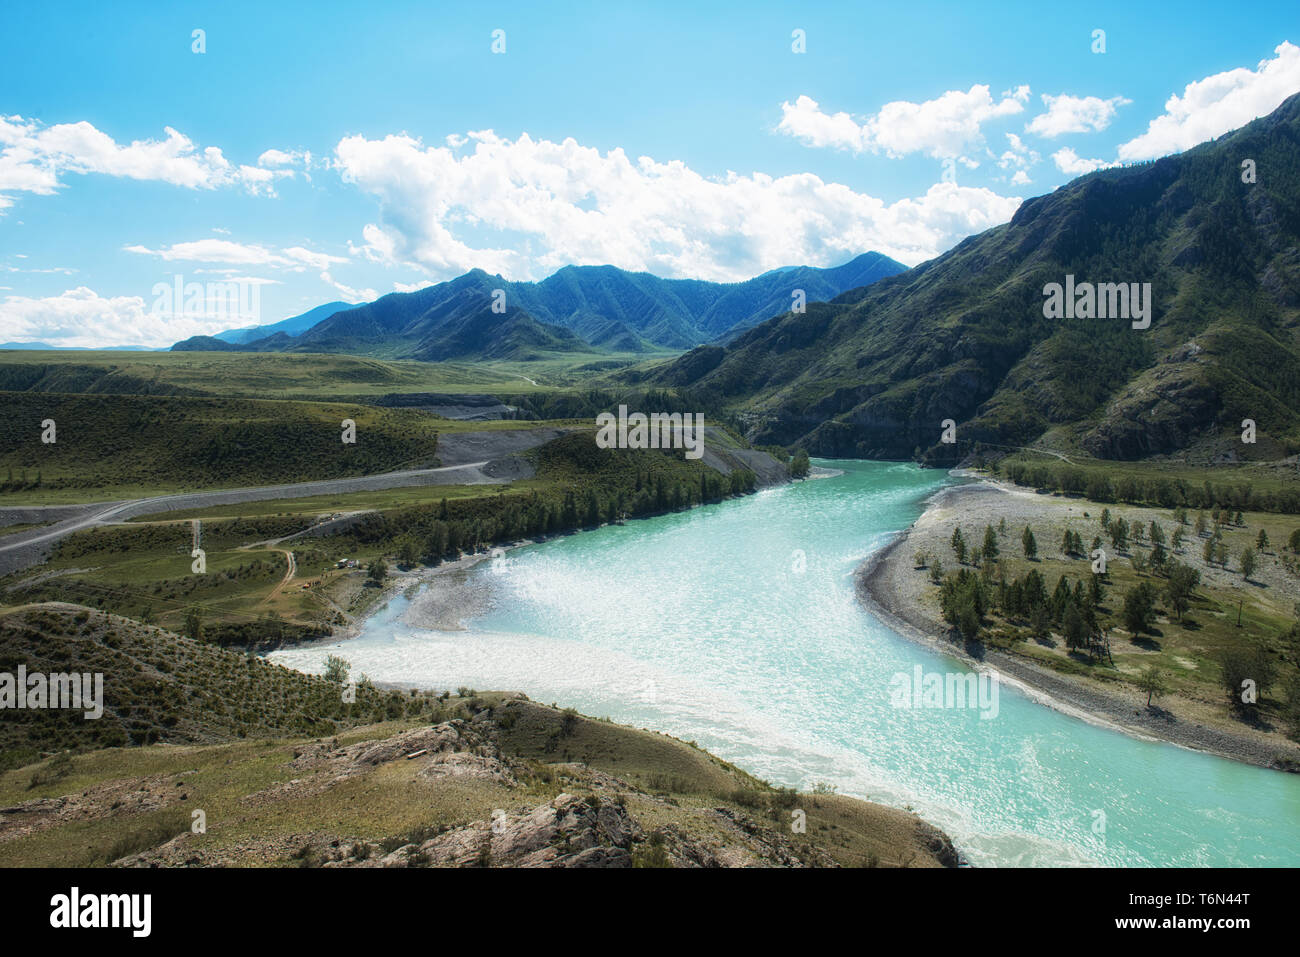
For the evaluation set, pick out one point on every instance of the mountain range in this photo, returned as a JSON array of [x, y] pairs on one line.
[[964, 337], [575, 309], [291, 326]]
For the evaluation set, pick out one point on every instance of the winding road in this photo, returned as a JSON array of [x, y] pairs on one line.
[[488, 449]]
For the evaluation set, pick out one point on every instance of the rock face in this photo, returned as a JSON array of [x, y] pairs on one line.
[[939, 844], [569, 831]]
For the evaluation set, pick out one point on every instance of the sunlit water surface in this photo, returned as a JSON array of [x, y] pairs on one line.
[[708, 626]]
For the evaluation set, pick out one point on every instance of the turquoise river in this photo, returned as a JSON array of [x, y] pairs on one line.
[[736, 626]]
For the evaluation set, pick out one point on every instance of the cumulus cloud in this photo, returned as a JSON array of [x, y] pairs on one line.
[[1074, 114], [525, 207], [1018, 157], [943, 127], [279, 158], [35, 158], [82, 317], [1217, 104]]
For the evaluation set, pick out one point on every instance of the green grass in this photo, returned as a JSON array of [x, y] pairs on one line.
[[254, 375], [291, 376], [313, 506], [112, 444]]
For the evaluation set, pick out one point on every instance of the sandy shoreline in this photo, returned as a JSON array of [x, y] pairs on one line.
[[886, 585]]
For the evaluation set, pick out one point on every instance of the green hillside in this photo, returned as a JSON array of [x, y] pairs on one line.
[[132, 442], [964, 337]]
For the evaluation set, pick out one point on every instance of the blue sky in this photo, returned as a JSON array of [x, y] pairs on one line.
[[353, 150]]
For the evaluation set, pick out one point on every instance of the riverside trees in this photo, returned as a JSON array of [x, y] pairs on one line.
[[963, 600]]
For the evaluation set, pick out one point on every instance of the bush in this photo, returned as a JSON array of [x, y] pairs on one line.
[[799, 464], [1139, 612]]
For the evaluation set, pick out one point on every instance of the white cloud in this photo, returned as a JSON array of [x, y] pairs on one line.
[[228, 251], [81, 317], [62, 270], [1018, 157], [526, 207], [34, 158], [943, 127], [278, 158], [349, 293], [1072, 164], [290, 258], [1217, 104], [311, 258], [1074, 114]]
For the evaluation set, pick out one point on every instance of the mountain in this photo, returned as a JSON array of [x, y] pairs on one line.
[[487, 335], [876, 371], [601, 306], [279, 342], [291, 326]]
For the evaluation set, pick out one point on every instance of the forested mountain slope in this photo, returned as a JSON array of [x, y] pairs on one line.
[[964, 336]]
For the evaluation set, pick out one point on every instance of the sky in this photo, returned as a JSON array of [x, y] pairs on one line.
[[306, 154]]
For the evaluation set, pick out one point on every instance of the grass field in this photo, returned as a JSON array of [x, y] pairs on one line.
[[111, 446], [293, 376]]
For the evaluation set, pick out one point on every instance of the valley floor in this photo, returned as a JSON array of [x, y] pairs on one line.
[[1194, 714]]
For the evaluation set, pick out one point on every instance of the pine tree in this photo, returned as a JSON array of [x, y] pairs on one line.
[[1029, 543], [990, 543], [1248, 562]]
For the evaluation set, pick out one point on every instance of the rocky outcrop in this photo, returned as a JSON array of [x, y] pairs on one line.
[[569, 831]]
